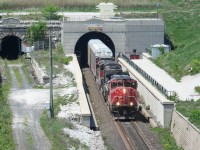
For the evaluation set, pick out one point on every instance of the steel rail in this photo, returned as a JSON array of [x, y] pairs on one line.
[[142, 136], [129, 145]]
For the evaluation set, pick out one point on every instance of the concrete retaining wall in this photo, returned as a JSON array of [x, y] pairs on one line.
[[85, 110], [187, 135], [41, 76], [160, 107]]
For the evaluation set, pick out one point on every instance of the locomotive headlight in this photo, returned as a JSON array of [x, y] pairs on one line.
[[118, 103], [131, 103], [124, 91]]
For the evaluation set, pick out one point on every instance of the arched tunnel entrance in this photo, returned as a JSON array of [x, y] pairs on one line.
[[81, 45], [10, 47]]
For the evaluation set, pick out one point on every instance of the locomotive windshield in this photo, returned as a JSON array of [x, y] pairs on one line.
[[130, 84], [123, 83]]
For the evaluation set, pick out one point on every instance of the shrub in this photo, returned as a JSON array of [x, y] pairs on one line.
[[162, 50], [174, 97], [195, 114], [49, 12], [66, 60], [197, 89], [59, 48], [195, 66], [37, 32]]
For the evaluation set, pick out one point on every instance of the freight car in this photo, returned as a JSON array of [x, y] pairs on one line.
[[118, 88]]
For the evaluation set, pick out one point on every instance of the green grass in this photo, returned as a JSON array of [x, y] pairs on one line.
[[6, 132], [28, 134], [18, 76], [166, 139], [191, 110], [27, 68]]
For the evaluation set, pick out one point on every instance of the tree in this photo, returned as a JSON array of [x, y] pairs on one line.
[[50, 12], [37, 32]]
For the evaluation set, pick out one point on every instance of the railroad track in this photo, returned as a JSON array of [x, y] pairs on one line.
[[142, 136], [129, 145], [133, 136]]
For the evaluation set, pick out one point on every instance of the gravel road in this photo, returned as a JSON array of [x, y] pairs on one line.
[[27, 105]]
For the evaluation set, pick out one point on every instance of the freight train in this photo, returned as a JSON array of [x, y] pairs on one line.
[[117, 87]]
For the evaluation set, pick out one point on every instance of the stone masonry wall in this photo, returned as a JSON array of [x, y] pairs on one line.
[[39, 73], [187, 135]]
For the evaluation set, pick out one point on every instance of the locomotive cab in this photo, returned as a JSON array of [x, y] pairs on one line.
[[122, 96]]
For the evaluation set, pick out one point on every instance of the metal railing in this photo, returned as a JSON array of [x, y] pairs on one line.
[[159, 87]]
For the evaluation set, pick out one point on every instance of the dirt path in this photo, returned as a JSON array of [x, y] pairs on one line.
[[27, 104]]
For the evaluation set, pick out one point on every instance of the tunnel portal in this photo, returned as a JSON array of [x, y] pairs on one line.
[[81, 45], [10, 47]]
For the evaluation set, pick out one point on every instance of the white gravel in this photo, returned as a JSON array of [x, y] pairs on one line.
[[92, 139], [72, 113]]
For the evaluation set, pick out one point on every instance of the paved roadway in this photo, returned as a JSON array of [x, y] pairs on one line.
[[184, 89]]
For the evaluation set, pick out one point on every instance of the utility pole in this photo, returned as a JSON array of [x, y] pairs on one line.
[[51, 73], [157, 6]]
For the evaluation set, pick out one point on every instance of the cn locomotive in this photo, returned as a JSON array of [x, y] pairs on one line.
[[117, 87]]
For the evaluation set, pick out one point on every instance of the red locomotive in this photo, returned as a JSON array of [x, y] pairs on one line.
[[118, 88]]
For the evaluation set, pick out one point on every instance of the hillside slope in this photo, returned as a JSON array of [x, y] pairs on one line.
[[183, 29]]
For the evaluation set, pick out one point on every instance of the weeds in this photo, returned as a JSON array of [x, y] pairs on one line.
[[18, 76], [28, 133], [28, 69], [174, 97], [54, 127], [191, 110], [166, 139], [197, 89], [66, 60], [6, 138]]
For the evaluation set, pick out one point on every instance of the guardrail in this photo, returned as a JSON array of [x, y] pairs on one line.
[[164, 91]]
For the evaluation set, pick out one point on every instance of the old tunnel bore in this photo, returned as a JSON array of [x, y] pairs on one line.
[[10, 47]]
